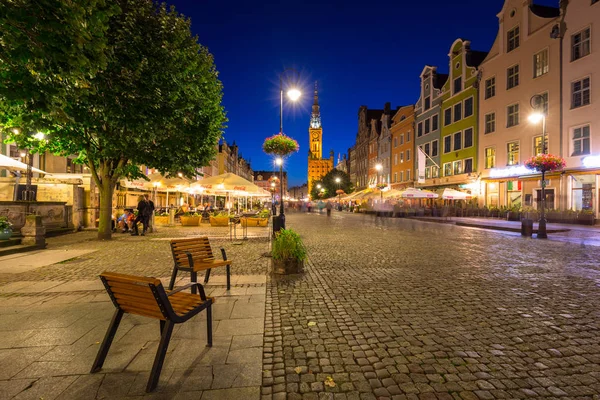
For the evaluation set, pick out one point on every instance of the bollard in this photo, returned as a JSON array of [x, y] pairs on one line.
[[172, 217], [526, 227]]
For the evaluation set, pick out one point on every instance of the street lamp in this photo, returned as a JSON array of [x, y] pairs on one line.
[[539, 114], [293, 94], [273, 189], [379, 167]]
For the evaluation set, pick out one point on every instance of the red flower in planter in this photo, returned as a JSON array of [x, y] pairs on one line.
[[280, 145]]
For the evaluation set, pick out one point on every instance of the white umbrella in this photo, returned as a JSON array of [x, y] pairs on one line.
[[11, 164], [413, 193], [229, 182], [452, 194]]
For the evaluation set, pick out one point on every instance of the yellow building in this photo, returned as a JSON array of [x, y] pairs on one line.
[[317, 165]]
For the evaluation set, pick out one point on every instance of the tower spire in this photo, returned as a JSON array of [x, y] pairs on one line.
[[315, 117]]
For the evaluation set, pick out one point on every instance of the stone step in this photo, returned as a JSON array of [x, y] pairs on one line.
[[5, 251]]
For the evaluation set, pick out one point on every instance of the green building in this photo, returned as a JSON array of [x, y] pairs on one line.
[[458, 159]]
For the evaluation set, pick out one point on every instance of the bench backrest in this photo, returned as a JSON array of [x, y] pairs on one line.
[[137, 295], [198, 247]]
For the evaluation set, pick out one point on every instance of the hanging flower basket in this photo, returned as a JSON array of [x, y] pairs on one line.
[[280, 145], [339, 191], [546, 162], [381, 186]]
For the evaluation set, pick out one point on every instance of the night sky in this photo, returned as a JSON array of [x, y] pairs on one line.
[[361, 53]]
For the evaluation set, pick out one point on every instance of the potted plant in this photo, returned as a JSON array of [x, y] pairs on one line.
[[5, 228], [161, 218], [288, 253], [586, 217], [513, 213], [219, 219], [190, 219], [261, 219]]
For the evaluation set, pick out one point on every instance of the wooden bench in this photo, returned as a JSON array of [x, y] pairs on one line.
[[147, 297], [193, 255]]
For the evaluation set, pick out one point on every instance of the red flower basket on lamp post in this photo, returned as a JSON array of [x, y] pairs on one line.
[[544, 163], [280, 145]]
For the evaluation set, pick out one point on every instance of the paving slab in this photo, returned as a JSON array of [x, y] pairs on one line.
[[19, 263]]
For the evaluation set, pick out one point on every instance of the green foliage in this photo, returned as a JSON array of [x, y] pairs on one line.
[[152, 96], [264, 213], [288, 245], [4, 224], [190, 214], [331, 186], [222, 214], [280, 145]]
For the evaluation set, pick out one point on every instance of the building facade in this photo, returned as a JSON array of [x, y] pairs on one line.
[[428, 124], [403, 140], [384, 140], [263, 179], [523, 62], [580, 141], [317, 165], [458, 158], [364, 153]]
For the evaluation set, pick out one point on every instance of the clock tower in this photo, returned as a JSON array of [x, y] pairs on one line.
[[317, 165]]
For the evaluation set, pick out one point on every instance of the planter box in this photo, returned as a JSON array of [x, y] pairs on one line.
[[162, 220], [5, 234], [287, 266], [219, 221], [513, 216], [254, 221], [190, 221], [586, 219]]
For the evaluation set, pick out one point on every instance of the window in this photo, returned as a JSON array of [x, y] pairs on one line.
[[407, 155], [457, 85], [457, 141], [457, 167], [420, 129], [402, 139], [427, 172], [447, 169], [512, 115], [580, 93], [512, 39], [434, 148], [395, 159], [427, 148], [435, 171], [512, 77], [447, 116], [401, 176], [468, 166], [490, 157], [457, 112], [407, 136], [408, 174], [581, 140], [434, 123], [447, 144], [427, 103], [512, 153], [538, 147], [395, 176], [490, 87], [580, 44], [468, 137], [490, 123], [427, 126], [468, 107], [540, 63], [395, 142]]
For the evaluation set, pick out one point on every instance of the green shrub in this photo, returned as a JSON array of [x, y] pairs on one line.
[[4, 224], [288, 245]]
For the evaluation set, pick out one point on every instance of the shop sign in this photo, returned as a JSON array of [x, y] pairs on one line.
[[515, 170]]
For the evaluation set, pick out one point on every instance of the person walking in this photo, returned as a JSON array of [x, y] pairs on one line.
[[329, 206], [145, 209]]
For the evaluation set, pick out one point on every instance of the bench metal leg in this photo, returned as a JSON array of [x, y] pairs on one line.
[[209, 325], [173, 278], [207, 276], [160, 356], [194, 278], [224, 255], [108, 338]]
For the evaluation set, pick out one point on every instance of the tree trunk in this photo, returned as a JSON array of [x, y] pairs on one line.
[[106, 189]]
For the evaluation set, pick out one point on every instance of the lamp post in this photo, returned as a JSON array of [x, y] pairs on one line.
[[338, 180], [293, 94], [273, 209], [539, 114], [379, 167]]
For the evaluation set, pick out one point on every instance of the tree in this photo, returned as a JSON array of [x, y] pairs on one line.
[[156, 103], [328, 182]]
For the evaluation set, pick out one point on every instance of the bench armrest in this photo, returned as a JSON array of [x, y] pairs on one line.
[[223, 254], [189, 285]]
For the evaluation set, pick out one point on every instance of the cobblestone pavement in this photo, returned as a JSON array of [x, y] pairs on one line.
[[393, 308]]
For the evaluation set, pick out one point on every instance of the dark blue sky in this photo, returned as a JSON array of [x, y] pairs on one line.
[[361, 53]]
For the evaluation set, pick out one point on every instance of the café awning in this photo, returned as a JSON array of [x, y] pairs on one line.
[[10, 164]]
